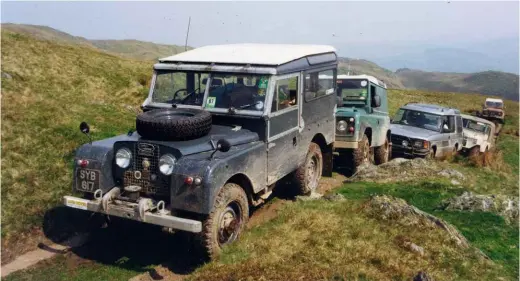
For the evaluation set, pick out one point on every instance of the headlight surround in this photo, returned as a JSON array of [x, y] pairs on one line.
[[342, 126], [166, 163], [123, 157], [421, 144]]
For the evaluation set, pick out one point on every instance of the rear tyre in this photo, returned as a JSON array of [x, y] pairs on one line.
[[308, 175], [225, 222], [382, 153]]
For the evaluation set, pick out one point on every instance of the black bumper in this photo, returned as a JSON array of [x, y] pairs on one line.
[[409, 151]]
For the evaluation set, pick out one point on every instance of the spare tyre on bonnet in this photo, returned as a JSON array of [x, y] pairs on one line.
[[221, 125], [173, 124]]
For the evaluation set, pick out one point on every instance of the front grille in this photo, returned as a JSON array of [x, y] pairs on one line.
[[398, 140], [147, 176]]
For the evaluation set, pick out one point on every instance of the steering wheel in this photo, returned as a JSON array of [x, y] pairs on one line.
[[175, 94]]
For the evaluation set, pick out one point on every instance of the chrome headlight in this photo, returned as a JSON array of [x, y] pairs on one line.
[[123, 157], [166, 163], [342, 126]]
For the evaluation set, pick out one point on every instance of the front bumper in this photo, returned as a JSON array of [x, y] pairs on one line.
[[346, 144], [409, 150], [138, 212]]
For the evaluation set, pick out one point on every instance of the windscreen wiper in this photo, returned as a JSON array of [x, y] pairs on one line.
[[248, 105]]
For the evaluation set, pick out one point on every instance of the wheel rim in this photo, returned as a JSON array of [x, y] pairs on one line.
[[312, 172], [229, 224]]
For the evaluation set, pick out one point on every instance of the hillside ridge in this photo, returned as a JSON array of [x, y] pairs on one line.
[[495, 83]]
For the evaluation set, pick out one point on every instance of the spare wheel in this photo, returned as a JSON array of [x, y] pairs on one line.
[[173, 124]]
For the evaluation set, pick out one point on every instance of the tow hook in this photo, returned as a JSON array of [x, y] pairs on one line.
[[109, 196]]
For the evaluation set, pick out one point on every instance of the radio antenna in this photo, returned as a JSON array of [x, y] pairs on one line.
[[187, 33]]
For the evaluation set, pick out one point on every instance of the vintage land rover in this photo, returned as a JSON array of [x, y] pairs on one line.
[[479, 135], [493, 110], [426, 130], [362, 121], [221, 125]]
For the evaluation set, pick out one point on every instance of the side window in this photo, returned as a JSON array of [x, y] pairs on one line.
[[459, 124], [318, 84], [286, 94], [451, 124], [448, 124]]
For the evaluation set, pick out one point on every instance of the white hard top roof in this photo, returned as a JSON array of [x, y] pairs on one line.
[[477, 119], [494, 100], [259, 54], [363, 76]]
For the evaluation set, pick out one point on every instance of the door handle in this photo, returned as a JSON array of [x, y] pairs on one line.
[[294, 141]]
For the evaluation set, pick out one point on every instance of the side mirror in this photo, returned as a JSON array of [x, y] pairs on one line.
[[376, 101], [84, 128], [223, 145]]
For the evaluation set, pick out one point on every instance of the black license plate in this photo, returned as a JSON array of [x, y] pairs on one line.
[[87, 180]]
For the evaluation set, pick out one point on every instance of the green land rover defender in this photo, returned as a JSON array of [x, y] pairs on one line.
[[362, 121]]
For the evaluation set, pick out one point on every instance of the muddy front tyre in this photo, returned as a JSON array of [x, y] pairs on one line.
[[364, 153], [382, 153], [474, 152], [225, 222], [308, 175]]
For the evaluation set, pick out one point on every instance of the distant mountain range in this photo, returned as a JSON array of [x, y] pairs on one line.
[[128, 48], [495, 83]]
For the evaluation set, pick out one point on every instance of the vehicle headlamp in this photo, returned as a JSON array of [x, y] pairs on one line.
[[342, 126], [166, 163], [123, 158]]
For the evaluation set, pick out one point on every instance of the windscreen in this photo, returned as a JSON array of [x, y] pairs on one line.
[[352, 90], [494, 104], [418, 119], [238, 91], [474, 125], [179, 87]]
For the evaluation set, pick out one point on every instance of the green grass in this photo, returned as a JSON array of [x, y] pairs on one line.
[[486, 231], [53, 88], [59, 269], [321, 240], [509, 145]]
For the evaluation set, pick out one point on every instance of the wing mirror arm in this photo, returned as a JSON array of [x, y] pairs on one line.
[[85, 129], [222, 145]]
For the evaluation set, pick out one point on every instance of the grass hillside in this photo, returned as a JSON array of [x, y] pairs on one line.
[[128, 48], [138, 49], [490, 82], [45, 33], [51, 89]]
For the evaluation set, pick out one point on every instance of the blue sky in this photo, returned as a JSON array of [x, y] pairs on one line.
[[357, 29]]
